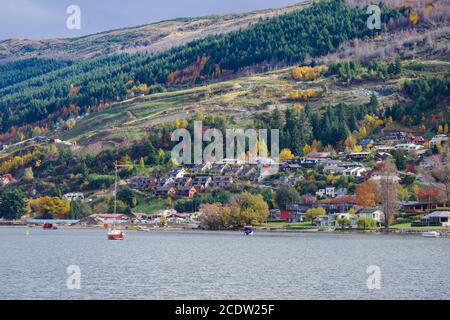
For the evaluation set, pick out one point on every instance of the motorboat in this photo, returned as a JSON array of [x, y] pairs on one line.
[[248, 230], [431, 234], [114, 234]]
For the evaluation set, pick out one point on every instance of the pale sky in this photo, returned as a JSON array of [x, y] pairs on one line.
[[44, 19]]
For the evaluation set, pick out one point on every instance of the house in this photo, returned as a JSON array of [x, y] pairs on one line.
[[383, 148], [416, 139], [201, 182], [437, 218], [177, 173], [165, 191], [410, 147], [5, 180], [332, 220], [218, 168], [395, 136], [331, 192], [373, 213], [222, 182], [188, 192], [200, 168], [357, 156], [165, 182], [74, 196], [107, 218], [382, 156], [355, 172], [141, 182], [182, 182], [233, 170], [366, 142], [295, 212], [419, 207], [438, 139]]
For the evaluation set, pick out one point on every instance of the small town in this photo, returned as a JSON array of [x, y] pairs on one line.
[[323, 191]]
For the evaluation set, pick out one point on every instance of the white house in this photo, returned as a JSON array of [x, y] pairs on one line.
[[355, 172], [373, 213], [331, 220], [73, 196], [331, 192], [438, 139], [410, 147]]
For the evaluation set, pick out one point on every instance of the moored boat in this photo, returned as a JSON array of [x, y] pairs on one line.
[[248, 231], [431, 234], [114, 234]]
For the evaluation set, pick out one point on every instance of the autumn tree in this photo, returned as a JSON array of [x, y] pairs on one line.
[[50, 207], [313, 213], [366, 194]]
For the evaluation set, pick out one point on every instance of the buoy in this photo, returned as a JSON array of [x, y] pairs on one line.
[[27, 232]]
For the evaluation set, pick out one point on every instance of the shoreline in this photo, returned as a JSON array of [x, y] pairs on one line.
[[258, 230]]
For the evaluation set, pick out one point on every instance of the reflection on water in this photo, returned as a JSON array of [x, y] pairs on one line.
[[201, 265]]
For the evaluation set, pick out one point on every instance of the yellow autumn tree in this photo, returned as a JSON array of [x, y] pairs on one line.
[[50, 207], [286, 154]]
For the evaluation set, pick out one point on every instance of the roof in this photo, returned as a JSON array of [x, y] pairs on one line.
[[439, 214], [369, 210]]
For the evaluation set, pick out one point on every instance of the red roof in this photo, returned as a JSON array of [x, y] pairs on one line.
[[343, 199]]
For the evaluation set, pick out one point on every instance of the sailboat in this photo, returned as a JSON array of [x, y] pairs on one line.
[[113, 232]]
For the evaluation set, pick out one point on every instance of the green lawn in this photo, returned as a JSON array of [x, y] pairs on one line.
[[146, 206], [408, 226], [287, 225]]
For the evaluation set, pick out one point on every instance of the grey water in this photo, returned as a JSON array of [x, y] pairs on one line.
[[214, 265]]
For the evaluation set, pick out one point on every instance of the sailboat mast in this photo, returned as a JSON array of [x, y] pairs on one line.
[[115, 188]]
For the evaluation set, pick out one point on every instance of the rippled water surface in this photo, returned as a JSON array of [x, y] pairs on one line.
[[201, 265]]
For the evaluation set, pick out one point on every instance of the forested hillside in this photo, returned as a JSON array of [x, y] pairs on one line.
[[288, 39]]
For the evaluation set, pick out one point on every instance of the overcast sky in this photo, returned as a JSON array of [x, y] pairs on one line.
[[44, 19]]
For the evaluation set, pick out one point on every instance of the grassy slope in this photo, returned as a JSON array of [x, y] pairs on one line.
[[240, 97]]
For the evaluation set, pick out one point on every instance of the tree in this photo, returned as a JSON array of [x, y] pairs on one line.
[[343, 222], [313, 213], [210, 216], [128, 197], [366, 223], [50, 207], [79, 209], [285, 196], [13, 204], [366, 194], [28, 174], [388, 192], [286, 154], [253, 208]]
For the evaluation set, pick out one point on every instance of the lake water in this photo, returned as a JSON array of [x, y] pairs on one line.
[[202, 265]]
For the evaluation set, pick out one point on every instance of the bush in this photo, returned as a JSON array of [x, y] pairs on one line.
[[366, 223]]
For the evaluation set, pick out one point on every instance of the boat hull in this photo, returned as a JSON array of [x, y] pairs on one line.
[[116, 236]]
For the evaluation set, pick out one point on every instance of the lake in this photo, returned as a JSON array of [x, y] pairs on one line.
[[212, 265]]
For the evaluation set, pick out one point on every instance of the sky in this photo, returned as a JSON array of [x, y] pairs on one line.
[[47, 19]]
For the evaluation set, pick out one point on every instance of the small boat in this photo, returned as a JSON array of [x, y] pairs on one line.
[[248, 231], [143, 229], [431, 234], [114, 234], [49, 226]]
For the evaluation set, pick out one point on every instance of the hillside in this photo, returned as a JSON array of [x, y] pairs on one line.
[[149, 38]]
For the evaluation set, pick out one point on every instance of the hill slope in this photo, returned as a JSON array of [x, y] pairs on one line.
[[153, 37]]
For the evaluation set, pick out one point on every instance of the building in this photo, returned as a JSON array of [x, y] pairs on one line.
[[5, 180], [410, 147], [141, 183], [188, 192], [200, 168], [354, 172], [177, 173], [438, 139], [165, 191], [74, 196], [218, 168], [201, 182], [332, 220], [357, 156], [331, 192], [437, 218], [222, 182], [183, 182], [373, 213]]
